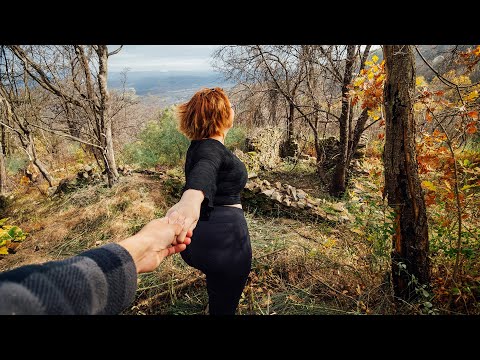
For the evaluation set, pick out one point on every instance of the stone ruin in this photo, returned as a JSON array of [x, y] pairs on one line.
[[262, 194]]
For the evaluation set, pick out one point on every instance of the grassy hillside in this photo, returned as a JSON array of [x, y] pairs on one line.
[[300, 266]]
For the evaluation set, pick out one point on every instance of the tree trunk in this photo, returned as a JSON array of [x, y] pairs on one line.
[[291, 114], [109, 155], [110, 164], [273, 106], [357, 134], [402, 183], [288, 146], [33, 153], [3, 140], [337, 187], [3, 174], [44, 171]]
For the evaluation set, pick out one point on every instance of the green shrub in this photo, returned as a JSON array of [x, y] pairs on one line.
[[236, 138], [16, 162], [159, 143]]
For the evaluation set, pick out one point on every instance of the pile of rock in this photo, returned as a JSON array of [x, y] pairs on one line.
[[87, 174], [125, 170], [287, 197]]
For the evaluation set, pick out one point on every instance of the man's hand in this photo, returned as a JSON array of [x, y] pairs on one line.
[[155, 241]]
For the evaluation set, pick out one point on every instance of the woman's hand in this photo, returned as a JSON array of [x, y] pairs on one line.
[[153, 243], [186, 212]]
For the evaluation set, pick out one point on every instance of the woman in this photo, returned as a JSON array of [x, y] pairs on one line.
[[210, 203]]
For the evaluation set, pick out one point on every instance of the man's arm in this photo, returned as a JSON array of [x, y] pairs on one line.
[[98, 281]]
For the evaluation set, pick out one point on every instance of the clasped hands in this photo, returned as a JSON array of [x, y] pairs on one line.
[[163, 237]]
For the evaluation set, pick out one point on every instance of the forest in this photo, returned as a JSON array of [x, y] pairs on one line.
[[363, 173]]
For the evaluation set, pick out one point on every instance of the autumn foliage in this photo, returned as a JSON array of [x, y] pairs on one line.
[[446, 112]]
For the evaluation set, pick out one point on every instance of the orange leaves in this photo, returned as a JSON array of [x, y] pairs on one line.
[[471, 128], [470, 57], [476, 52], [439, 136], [24, 180], [368, 85], [473, 115], [430, 199], [428, 116], [381, 136]]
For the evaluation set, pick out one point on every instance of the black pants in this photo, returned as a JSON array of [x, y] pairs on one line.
[[221, 249]]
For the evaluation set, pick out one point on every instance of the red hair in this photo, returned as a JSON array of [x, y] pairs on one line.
[[205, 115]]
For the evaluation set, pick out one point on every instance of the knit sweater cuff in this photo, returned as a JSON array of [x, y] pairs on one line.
[[119, 267]]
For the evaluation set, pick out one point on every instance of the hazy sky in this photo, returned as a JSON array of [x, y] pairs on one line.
[[162, 57]]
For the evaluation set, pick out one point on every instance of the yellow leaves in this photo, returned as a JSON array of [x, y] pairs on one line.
[[375, 114], [367, 87], [380, 79], [462, 80], [471, 96], [330, 242], [420, 81], [357, 231], [466, 187], [374, 58], [358, 81], [418, 106], [4, 242], [9, 234], [429, 185]]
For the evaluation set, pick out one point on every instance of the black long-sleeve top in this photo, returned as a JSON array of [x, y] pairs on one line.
[[216, 171], [97, 281]]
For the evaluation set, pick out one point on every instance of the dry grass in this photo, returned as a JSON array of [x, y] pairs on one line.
[[83, 219], [298, 267]]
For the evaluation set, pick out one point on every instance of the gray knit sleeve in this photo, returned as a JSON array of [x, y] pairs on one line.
[[98, 281]]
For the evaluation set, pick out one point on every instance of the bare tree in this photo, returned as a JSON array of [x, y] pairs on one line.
[[77, 76], [312, 80], [271, 70], [20, 109], [402, 183]]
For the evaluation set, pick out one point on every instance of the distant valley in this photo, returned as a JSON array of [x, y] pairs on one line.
[[170, 87]]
